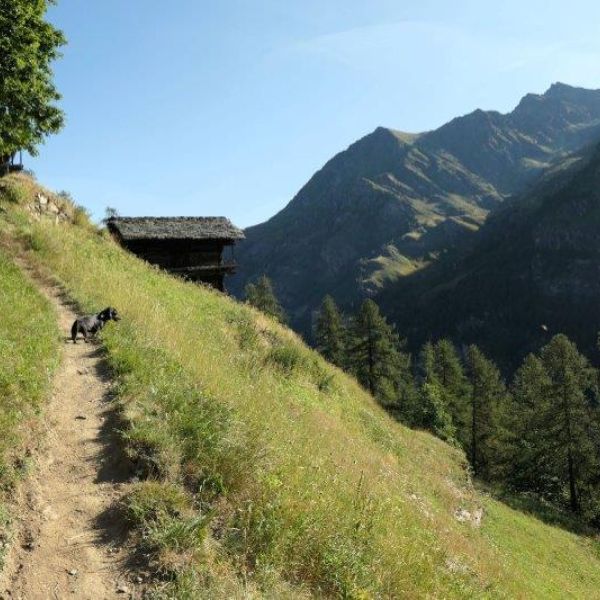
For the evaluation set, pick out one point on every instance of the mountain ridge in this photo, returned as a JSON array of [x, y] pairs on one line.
[[394, 202]]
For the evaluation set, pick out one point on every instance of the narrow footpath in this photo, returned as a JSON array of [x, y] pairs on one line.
[[69, 537]]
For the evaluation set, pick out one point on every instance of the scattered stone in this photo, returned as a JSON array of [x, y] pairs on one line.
[[139, 579], [122, 589], [42, 199], [29, 545], [455, 566], [81, 417], [73, 572], [462, 515]]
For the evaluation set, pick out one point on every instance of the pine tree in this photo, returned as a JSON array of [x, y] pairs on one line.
[[572, 423], [261, 296], [487, 396], [454, 387], [374, 354], [426, 370], [432, 412], [330, 333], [555, 432], [529, 448]]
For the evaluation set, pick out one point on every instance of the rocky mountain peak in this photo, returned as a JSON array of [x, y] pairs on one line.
[[394, 201]]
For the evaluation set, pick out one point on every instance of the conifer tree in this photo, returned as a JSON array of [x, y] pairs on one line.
[[432, 413], [572, 419], [374, 353], [454, 386], [330, 333], [487, 396], [426, 368], [530, 427], [555, 432], [261, 296]]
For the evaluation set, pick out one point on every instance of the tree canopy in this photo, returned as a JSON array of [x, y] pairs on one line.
[[28, 96], [330, 332], [374, 354], [261, 296]]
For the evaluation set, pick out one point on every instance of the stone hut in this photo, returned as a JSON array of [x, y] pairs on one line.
[[191, 247]]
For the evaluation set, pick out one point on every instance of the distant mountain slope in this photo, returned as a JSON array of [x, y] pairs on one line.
[[394, 202], [535, 262]]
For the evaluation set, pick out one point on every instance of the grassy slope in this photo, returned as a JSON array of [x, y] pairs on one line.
[[271, 473], [29, 352]]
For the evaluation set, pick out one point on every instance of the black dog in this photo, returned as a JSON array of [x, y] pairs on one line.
[[90, 325]]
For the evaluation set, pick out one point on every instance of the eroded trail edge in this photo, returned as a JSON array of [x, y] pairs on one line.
[[68, 533]]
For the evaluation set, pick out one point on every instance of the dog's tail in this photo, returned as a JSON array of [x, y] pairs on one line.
[[74, 332]]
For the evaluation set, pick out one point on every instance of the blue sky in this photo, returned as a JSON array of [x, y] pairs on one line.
[[227, 107]]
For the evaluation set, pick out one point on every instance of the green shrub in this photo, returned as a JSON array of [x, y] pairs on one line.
[[163, 517], [287, 357], [81, 217], [12, 191]]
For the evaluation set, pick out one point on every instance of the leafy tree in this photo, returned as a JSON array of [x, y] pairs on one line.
[[374, 354], [28, 44], [110, 213], [487, 396], [261, 296], [330, 333]]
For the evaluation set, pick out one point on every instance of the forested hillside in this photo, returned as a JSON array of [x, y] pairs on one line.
[[532, 271]]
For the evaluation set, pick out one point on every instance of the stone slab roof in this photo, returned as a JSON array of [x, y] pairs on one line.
[[174, 228]]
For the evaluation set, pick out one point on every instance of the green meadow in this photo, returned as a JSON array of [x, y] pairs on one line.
[[260, 469]]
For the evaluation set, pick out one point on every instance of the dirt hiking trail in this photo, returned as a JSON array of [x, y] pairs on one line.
[[68, 535]]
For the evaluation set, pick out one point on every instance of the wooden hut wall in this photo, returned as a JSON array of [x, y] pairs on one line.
[[178, 253]]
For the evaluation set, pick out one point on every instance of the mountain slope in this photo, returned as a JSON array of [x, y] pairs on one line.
[[535, 262], [266, 472], [393, 202]]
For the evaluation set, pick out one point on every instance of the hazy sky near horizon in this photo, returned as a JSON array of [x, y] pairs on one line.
[[227, 107]]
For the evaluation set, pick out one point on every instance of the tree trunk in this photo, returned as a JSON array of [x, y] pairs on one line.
[[474, 433], [574, 500], [371, 364]]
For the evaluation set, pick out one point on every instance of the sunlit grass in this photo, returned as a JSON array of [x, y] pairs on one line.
[[28, 356], [271, 473]]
